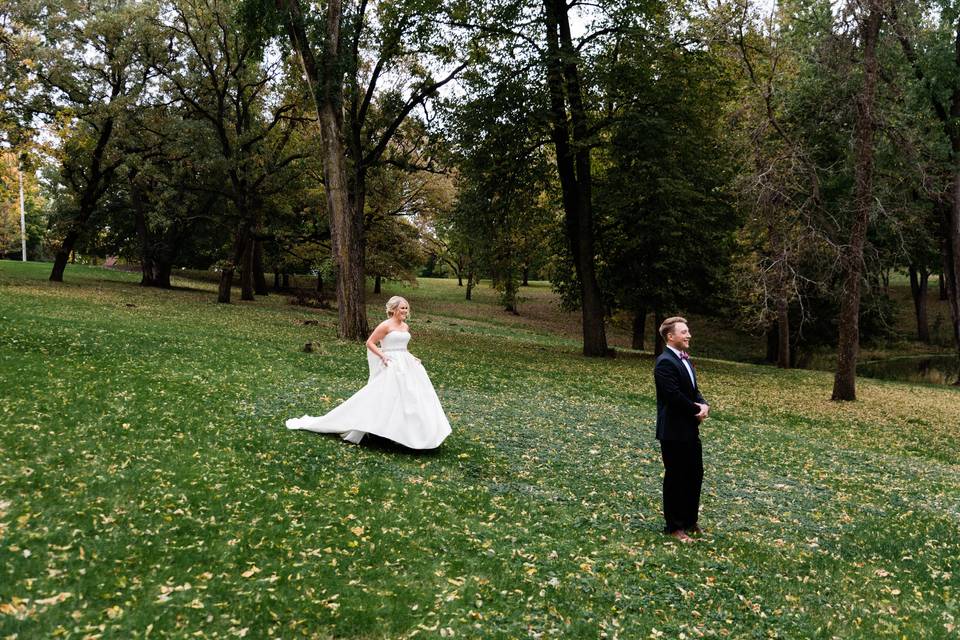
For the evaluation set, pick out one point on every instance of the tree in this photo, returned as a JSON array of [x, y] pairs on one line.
[[345, 60], [394, 251], [663, 206], [89, 60], [16, 84], [816, 117], [570, 132], [443, 241], [779, 186], [222, 81], [934, 57], [845, 379], [165, 210], [922, 260], [501, 212]]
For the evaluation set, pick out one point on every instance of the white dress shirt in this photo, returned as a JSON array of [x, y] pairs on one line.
[[686, 363]]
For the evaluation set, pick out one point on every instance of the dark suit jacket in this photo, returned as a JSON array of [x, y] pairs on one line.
[[676, 395]]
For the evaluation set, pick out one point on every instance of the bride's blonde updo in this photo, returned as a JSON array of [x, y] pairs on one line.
[[394, 303]]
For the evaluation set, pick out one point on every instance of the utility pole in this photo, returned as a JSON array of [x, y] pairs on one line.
[[23, 221]]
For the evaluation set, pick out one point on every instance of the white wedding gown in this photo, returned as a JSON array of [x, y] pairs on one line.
[[398, 403]]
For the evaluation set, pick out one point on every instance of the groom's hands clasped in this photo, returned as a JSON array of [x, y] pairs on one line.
[[704, 411]]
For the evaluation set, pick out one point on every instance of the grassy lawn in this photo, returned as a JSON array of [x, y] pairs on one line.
[[148, 487]]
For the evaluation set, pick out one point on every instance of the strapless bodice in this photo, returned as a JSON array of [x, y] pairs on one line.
[[395, 341]]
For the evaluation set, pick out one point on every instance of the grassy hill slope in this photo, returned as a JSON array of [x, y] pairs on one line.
[[149, 488]]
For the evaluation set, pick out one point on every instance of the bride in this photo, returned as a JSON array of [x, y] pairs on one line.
[[397, 403]]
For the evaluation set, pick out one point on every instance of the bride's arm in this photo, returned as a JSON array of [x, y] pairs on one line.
[[375, 337]]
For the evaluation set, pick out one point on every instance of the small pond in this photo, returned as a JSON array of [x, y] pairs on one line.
[[932, 369]]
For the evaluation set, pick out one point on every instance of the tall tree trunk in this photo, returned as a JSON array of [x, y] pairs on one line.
[[918, 288], [845, 380], [246, 271], [778, 244], [161, 274], [346, 241], [783, 332], [157, 272], [285, 281], [951, 246], [98, 178], [346, 222], [942, 286], [573, 168], [259, 279], [376, 284], [156, 259], [147, 269], [510, 291], [63, 255], [276, 279], [470, 282], [639, 328], [459, 279], [526, 277], [226, 285], [772, 337], [226, 275]]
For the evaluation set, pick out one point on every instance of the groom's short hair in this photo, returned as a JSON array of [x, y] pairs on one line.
[[667, 326]]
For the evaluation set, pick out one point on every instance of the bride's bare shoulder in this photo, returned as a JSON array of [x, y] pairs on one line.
[[380, 330]]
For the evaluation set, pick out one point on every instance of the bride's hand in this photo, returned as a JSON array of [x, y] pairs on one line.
[[385, 360]]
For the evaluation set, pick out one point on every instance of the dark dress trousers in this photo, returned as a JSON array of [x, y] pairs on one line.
[[678, 431]]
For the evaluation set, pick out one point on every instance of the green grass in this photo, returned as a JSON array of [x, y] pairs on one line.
[[149, 488]]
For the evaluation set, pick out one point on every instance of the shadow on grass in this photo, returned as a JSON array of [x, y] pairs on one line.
[[379, 444]]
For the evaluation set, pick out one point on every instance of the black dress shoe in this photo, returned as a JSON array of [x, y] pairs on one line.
[[680, 536]]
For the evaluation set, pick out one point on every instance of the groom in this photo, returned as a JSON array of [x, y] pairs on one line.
[[680, 410]]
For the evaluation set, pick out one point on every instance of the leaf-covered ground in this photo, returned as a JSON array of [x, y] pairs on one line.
[[148, 487]]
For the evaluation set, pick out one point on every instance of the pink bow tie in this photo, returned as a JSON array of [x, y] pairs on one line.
[[684, 355]]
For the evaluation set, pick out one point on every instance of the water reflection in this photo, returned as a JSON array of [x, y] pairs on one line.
[[932, 369]]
